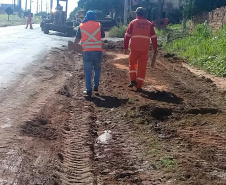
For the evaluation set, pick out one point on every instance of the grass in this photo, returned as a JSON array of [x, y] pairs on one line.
[[202, 48], [167, 163], [15, 20]]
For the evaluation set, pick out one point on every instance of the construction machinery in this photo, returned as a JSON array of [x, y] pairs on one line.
[[106, 23], [57, 20]]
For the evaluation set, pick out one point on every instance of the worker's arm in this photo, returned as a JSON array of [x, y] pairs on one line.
[[154, 45], [102, 32], [127, 37], [78, 36], [153, 38]]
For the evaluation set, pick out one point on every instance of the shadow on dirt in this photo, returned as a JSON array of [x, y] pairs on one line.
[[162, 96], [158, 113], [197, 111], [107, 101]]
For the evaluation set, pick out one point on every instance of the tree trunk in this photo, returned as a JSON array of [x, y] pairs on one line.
[[185, 22], [160, 7]]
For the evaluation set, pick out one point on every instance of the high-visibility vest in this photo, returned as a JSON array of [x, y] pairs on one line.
[[91, 36], [140, 38]]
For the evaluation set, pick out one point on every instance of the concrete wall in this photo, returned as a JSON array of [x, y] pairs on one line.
[[216, 19]]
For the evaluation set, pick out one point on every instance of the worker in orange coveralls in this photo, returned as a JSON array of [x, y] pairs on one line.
[[29, 21], [140, 31]]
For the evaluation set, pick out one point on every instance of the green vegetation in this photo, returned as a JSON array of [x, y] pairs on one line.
[[118, 31], [167, 163], [15, 20], [201, 47]]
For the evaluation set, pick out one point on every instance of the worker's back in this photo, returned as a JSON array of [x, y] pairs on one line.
[[140, 38]]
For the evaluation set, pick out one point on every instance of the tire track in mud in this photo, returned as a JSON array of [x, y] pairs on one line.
[[76, 154]]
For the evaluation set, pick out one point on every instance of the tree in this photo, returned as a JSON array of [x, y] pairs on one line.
[[160, 8], [195, 7]]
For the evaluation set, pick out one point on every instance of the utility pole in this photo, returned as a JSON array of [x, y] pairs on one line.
[[37, 8], [30, 6], [51, 5], [41, 5], [126, 5], [26, 5], [14, 5]]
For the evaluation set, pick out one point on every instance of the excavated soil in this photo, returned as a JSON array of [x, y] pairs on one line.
[[173, 132]]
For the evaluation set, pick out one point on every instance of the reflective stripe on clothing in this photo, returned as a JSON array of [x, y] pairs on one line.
[[154, 36], [132, 72], [140, 79], [91, 36], [140, 36], [92, 46]]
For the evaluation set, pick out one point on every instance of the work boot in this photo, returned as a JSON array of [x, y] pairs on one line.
[[95, 89], [88, 93], [139, 90], [133, 83]]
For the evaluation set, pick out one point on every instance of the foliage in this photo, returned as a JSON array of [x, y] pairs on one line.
[[194, 7], [72, 14], [118, 31], [203, 49], [168, 163]]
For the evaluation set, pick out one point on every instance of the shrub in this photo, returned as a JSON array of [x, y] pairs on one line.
[[118, 31]]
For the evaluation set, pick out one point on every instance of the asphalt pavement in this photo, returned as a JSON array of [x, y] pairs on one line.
[[20, 47]]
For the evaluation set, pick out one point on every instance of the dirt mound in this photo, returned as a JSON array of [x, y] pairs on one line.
[[39, 128]]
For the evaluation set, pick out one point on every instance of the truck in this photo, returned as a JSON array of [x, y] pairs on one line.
[[57, 21]]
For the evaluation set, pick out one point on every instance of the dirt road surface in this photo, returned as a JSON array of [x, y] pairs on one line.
[[173, 132]]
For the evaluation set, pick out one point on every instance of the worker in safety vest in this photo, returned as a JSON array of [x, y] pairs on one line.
[[90, 34], [140, 31]]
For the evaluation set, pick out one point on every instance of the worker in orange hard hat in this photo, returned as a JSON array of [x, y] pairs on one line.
[[140, 31], [90, 33]]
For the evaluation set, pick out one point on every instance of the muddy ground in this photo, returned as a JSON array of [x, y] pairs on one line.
[[171, 133]]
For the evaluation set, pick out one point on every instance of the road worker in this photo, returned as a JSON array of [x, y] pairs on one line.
[[90, 34], [29, 22], [140, 31]]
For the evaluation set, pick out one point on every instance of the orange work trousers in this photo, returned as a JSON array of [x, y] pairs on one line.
[[137, 66], [29, 23]]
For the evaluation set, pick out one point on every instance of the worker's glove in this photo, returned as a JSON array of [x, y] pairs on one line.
[[71, 45]]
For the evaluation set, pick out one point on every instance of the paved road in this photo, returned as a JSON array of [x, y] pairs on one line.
[[20, 47]]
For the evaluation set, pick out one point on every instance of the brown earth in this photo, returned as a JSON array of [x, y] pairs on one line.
[[173, 132]]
